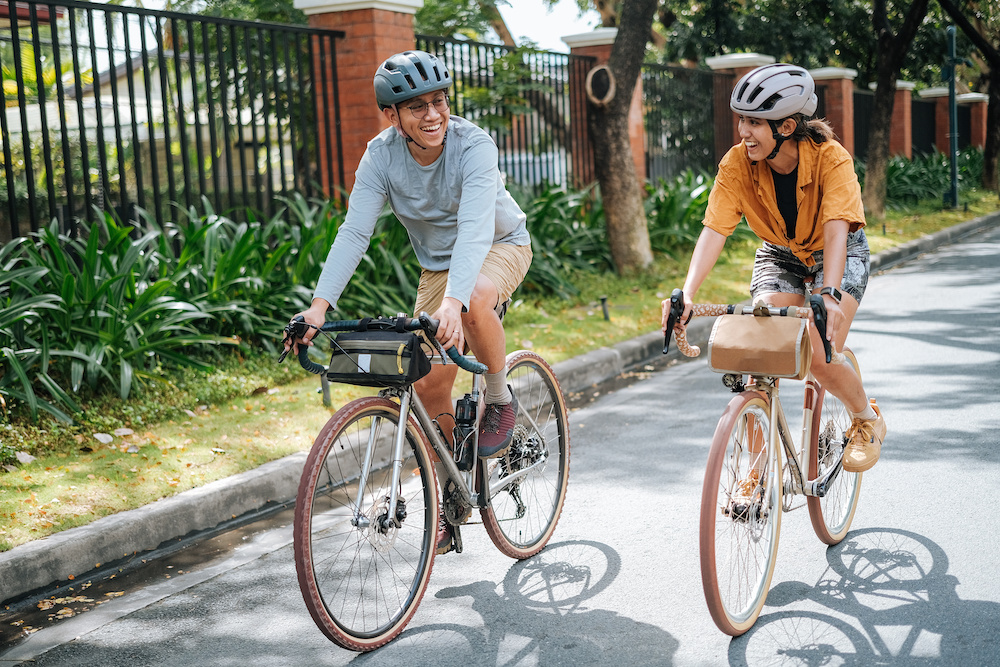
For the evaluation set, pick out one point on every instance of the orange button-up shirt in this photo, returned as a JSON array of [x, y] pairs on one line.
[[827, 189]]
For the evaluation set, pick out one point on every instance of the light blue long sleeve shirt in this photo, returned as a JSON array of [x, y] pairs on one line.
[[453, 210]]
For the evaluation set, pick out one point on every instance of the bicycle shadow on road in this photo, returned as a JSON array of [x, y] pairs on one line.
[[892, 603], [539, 616]]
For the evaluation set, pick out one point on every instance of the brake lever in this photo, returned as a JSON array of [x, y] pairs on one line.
[[430, 327], [676, 310], [296, 328], [819, 319]]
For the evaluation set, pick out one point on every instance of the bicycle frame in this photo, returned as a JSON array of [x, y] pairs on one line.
[[780, 433], [464, 482]]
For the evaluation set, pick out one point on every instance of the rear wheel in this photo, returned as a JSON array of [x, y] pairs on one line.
[[363, 569], [521, 516], [740, 522], [832, 514]]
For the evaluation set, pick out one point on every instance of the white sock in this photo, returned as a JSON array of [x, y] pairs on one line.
[[496, 388], [868, 414]]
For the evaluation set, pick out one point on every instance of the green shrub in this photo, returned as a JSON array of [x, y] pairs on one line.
[[675, 210], [567, 234], [926, 177], [93, 313]]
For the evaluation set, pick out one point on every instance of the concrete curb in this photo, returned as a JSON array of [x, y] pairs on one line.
[[78, 551]]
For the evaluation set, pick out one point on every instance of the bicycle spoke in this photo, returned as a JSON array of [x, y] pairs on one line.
[[740, 515], [522, 513], [364, 569]]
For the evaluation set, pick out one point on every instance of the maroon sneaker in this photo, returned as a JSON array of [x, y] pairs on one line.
[[497, 428], [445, 542]]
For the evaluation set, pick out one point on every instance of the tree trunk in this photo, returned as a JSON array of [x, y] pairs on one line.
[[879, 130], [628, 233], [889, 53]]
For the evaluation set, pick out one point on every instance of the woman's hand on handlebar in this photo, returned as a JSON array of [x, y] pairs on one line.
[[834, 319], [682, 320]]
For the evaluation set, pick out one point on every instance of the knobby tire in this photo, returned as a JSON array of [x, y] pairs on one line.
[[521, 518], [362, 585]]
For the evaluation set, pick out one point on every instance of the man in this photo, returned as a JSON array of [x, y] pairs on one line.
[[439, 174]]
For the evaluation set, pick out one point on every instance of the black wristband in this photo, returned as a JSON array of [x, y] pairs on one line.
[[833, 292]]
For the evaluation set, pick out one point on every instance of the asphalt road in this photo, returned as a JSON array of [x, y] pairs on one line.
[[915, 582]]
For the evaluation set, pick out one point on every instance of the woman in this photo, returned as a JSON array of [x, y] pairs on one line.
[[797, 188]]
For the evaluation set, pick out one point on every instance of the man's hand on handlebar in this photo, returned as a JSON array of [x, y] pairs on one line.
[[311, 320], [450, 331]]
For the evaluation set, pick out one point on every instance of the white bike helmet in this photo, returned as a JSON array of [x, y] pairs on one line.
[[408, 74], [775, 92]]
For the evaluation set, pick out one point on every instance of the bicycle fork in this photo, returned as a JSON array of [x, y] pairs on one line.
[[394, 514]]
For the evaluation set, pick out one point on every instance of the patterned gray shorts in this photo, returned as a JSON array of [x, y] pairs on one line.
[[776, 269]]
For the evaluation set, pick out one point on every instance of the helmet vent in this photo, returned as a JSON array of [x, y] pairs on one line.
[[420, 68], [770, 102]]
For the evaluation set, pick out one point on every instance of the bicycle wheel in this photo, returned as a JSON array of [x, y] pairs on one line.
[[521, 516], [832, 514], [362, 580], [739, 532]]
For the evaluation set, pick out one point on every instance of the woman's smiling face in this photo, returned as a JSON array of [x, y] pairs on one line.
[[757, 137]]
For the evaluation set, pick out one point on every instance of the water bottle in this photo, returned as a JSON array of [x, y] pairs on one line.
[[465, 424]]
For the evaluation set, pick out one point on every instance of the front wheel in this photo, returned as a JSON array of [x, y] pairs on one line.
[[832, 514], [521, 516], [363, 567], [740, 515]]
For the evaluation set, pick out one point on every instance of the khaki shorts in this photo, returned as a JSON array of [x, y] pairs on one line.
[[505, 265]]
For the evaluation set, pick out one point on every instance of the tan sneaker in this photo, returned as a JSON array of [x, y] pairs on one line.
[[864, 444]]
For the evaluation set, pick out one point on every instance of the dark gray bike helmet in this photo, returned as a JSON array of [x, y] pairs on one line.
[[408, 74]]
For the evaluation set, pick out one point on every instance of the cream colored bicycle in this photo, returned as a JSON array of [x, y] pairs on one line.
[[754, 470]]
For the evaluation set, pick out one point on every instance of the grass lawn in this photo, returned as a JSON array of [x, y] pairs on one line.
[[129, 457]]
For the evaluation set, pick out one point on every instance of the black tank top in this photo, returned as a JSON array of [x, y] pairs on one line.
[[784, 192]]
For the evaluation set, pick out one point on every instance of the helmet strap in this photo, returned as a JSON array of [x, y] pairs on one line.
[[399, 128], [779, 139]]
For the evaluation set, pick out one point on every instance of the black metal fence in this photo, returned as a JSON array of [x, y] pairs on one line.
[[679, 106], [922, 126], [524, 99], [114, 108]]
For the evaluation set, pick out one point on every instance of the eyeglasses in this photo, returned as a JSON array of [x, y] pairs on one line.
[[419, 110]]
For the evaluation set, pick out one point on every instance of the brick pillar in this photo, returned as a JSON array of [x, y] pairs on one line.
[[735, 65], [977, 103], [939, 96], [597, 44], [837, 84], [901, 131], [375, 30]]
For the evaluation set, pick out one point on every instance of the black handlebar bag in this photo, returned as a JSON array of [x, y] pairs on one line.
[[377, 359]]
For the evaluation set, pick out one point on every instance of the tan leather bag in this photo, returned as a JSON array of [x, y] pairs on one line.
[[753, 345]]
